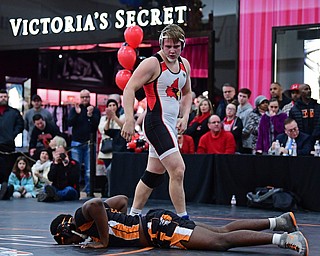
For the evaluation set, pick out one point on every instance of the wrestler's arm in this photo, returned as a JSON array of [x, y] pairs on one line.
[[94, 210], [145, 72], [119, 202], [186, 101]]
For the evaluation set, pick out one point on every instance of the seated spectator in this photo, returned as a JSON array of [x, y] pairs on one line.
[[233, 124], [270, 126], [251, 129], [41, 169], [6, 191], [291, 132], [199, 125], [64, 174], [186, 144], [217, 140], [21, 179], [41, 134]]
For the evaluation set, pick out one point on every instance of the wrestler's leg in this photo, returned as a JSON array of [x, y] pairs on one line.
[[142, 191], [204, 239], [175, 167], [251, 224]]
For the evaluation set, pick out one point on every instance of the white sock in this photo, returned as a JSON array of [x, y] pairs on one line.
[[276, 239], [182, 214], [272, 223], [134, 211]]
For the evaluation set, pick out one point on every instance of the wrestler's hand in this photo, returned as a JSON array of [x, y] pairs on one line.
[[181, 125], [128, 130], [94, 245]]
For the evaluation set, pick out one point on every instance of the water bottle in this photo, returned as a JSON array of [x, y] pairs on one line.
[[294, 148], [277, 148], [233, 200], [317, 148]]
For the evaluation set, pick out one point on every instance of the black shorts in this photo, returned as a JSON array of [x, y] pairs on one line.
[[165, 229]]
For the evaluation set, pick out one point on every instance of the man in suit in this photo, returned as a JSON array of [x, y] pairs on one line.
[[291, 132]]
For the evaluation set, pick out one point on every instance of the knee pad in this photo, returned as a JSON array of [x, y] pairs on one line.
[[152, 180]]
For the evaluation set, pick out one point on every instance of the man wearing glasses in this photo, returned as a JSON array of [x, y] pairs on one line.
[[292, 133], [84, 120]]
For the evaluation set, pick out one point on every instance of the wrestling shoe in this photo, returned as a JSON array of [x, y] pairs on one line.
[[295, 241], [286, 222]]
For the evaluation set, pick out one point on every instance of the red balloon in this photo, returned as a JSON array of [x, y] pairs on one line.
[[122, 78], [127, 57], [133, 36]]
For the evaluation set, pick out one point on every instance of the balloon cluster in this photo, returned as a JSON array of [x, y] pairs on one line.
[[127, 55], [138, 144]]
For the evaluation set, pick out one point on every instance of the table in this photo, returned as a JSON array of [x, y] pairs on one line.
[[215, 178]]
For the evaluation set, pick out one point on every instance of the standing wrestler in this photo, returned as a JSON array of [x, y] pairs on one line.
[[166, 81]]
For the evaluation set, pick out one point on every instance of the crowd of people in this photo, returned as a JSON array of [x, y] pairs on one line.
[[172, 125]]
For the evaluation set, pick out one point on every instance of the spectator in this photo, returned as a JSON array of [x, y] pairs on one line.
[[229, 95], [306, 112], [199, 125], [303, 141], [217, 140], [270, 126], [110, 126], [294, 95], [186, 144], [21, 179], [40, 170], [11, 124], [233, 124], [41, 134], [37, 108], [57, 141], [243, 111], [117, 97], [276, 92], [251, 129], [84, 120], [64, 174]]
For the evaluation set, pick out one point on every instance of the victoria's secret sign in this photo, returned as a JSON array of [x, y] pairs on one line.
[[97, 21]]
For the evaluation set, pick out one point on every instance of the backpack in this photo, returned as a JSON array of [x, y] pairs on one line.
[[272, 198]]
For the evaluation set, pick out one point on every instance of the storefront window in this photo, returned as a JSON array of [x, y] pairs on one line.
[[296, 54]]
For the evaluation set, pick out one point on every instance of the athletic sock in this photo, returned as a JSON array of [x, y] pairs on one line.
[[135, 211], [276, 239], [183, 215], [272, 223]]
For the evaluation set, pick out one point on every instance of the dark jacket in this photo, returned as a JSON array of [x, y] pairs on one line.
[[236, 131], [63, 176], [307, 117], [82, 125], [41, 138], [196, 130], [11, 124], [304, 143]]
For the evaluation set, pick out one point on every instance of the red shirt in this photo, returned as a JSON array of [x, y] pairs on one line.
[[223, 143], [187, 145]]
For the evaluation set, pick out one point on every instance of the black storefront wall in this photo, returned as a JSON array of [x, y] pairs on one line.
[[27, 26]]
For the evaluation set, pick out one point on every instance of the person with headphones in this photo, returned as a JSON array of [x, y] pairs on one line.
[[165, 78]]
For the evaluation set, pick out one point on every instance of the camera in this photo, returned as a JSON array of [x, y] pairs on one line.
[[63, 157]]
